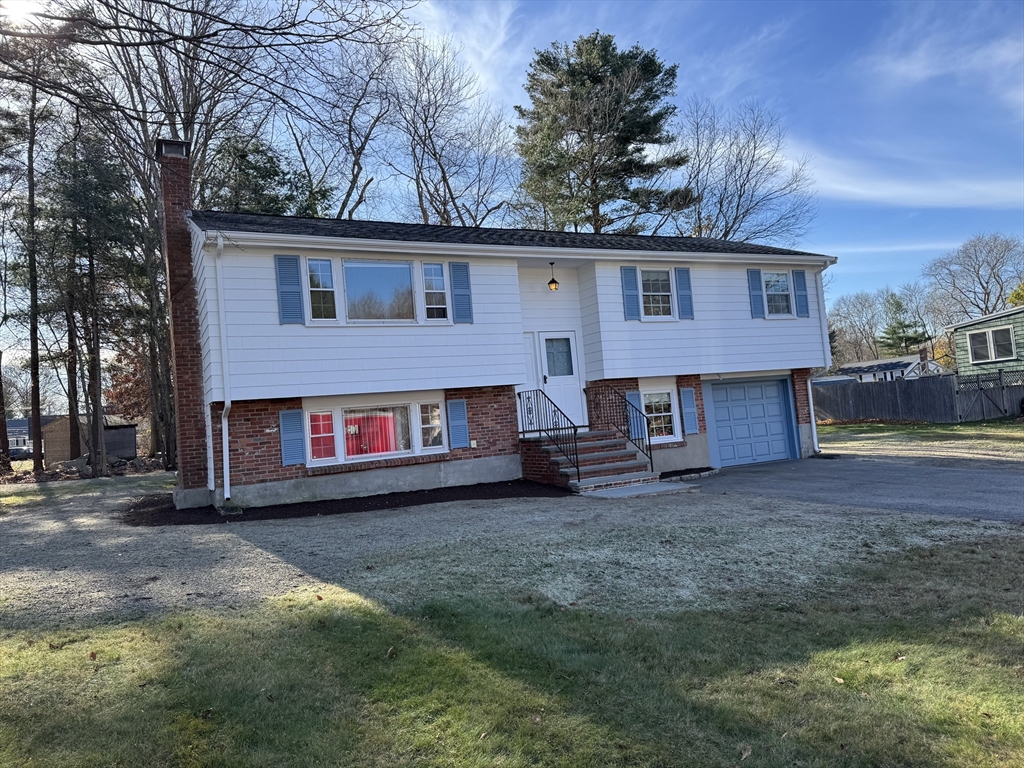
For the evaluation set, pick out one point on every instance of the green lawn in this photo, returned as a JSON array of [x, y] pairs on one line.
[[914, 660], [997, 429]]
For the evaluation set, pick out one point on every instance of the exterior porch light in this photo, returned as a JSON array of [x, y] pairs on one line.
[[552, 283]]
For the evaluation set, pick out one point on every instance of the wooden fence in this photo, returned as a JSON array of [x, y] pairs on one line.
[[935, 399]]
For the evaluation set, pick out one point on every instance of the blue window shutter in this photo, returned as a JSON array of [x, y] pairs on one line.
[[458, 424], [684, 294], [756, 293], [289, 290], [636, 421], [688, 400], [800, 287], [293, 438], [630, 293], [462, 296]]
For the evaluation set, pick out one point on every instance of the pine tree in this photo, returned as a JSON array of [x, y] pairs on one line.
[[590, 138]]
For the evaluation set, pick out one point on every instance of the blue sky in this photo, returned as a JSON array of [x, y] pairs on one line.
[[912, 112]]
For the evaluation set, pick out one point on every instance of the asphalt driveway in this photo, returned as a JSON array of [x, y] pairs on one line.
[[990, 490]]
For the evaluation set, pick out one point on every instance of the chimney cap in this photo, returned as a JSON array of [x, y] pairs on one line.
[[172, 148]]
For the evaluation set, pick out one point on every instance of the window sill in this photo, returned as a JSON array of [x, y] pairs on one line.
[[668, 444], [394, 461], [997, 360]]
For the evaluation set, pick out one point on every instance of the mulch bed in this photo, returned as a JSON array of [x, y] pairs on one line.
[[159, 510]]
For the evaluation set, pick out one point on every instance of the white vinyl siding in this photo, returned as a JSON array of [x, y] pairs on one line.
[[269, 360], [723, 338]]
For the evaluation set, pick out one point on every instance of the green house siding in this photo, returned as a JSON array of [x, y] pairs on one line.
[[963, 355]]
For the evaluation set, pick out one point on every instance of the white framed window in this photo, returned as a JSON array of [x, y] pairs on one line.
[[431, 429], [435, 298], [992, 345], [379, 290], [322, 305], [778, 293], [366, 427], [661, 406], [321, 436], [656, 293]]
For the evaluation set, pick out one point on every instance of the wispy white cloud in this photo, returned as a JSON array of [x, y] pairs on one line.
[[484, 33], [904, 181], [888, 248], [976, 44]]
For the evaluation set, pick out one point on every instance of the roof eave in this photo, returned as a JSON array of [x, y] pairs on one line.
[[984, 319], [292, 241]]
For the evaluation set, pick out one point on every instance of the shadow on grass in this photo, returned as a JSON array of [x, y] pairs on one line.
[[914, 661]]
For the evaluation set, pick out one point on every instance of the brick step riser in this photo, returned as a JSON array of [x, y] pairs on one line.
[[596, 458], [605, 470]]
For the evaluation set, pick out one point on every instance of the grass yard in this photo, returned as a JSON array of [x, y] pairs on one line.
[[995, 439], [911, 658]]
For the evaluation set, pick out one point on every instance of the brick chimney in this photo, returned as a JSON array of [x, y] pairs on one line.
[[922, 352], [186, 350]]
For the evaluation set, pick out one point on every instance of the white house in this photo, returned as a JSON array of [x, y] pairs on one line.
[[893, 368], [323, 358]]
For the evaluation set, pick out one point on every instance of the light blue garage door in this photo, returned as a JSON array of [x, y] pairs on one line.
[[751, 422]]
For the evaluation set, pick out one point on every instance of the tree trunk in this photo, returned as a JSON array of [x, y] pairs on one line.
[[5, 443], [74, 423], [35, 422], [97, 454]]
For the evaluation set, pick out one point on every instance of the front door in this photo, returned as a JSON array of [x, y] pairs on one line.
[[560, 375]]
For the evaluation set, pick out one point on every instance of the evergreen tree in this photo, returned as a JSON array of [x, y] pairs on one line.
[[902, 335], [247, 175], [590, 139]]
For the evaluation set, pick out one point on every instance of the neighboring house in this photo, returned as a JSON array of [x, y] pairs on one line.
[[324, 358], [118, 438], [893, 368], [20, 438], [990, 344]]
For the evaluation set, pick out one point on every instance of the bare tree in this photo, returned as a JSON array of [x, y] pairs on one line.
[[747, 189], [858, 319], [978, 277], [456, 152]]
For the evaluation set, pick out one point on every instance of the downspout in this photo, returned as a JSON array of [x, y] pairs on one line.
[[211, 483], [819, 285], [225, 376]]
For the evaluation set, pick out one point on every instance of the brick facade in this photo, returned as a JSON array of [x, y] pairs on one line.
[[493, 421], [255, 450], [254, 432], [186, 350], [693, 382], [538, 464], [601, 406], [803, 405]]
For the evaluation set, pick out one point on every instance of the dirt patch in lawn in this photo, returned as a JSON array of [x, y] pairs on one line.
[[159, 510]]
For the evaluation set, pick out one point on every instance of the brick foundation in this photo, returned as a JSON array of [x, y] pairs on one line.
[[803, 406], [186, 349]]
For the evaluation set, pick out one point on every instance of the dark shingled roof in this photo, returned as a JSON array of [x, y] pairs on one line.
[[430, 233], [879, 366]]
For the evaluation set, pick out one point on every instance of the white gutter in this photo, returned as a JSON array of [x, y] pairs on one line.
[[225, 376], [293, 242]]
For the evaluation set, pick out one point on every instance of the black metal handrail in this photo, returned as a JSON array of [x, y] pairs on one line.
[[538, 414], [609, 408]]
